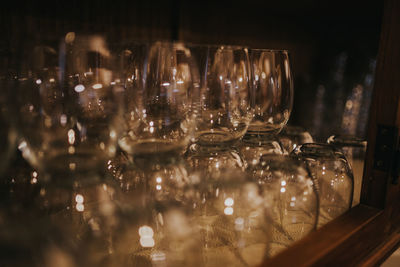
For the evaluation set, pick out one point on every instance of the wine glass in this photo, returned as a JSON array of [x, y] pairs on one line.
[[333, 176], [291, 193], [161, 83], [224, 105], [272, 100], [273, 89], [354, 149], [225, 111], [68, 102]]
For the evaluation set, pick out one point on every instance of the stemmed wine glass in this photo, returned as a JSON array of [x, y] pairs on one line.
[[272, 101]]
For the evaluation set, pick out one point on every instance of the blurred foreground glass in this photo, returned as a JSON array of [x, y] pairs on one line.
[[333, 176], [294, 136], [232, 218], [161, 86], [68, 102], [156, 208], [62, 224], [291, 193], [224, 112], [354, 149]]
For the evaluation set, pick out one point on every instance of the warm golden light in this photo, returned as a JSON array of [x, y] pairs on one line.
[[97, 86], [79, 198], [229, 202], [228, 210], [71, 136], [79, 88], [146, 234]]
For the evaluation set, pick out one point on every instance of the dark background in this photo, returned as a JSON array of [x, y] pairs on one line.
[[333, 44]]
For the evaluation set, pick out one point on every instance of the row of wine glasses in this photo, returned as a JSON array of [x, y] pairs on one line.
[[163, 154]]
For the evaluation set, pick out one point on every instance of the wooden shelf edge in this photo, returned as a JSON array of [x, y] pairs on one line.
[[383, 251], [344, 241]]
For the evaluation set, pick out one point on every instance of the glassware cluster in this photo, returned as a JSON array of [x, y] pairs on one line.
[[158, 154]]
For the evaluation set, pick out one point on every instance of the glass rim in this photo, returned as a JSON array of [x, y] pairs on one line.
[[229, 46], [269, 50]]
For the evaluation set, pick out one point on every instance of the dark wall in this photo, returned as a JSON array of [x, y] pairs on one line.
[[333, 44]]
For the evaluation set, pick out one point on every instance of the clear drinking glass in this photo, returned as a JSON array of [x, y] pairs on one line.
[[333, 176], [271, 99], [354, 149], [161, 83], [224, 104], [294, 136], [68, 102], [273, 91], [292, 196]]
